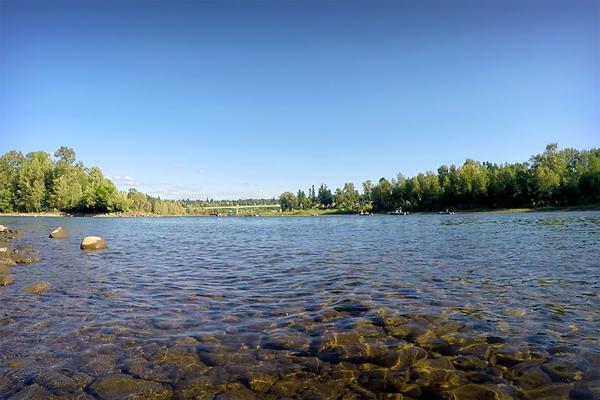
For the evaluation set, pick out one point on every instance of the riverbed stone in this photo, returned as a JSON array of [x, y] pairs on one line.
[[37, 288], [282, 340], [479, 350], [510, 356], [6, 279], [31, 392], [479, 392], [237, 393], [563, 370], [141, 368], [200, 387], [469, 362], [407, 356], [434, 363], [63, 381], [285, 388], [120, 386], [93, 243], [439, 379], [532, 377], [6, 261], [25, 259], [558, 391], [59, 233], [3, 228]]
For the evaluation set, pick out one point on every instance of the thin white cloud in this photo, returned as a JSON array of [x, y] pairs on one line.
[[125, 180]]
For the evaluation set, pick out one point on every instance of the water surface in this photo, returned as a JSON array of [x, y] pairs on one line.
[[430, 306]]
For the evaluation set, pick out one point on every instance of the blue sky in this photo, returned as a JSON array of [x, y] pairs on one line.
[[231, 99]]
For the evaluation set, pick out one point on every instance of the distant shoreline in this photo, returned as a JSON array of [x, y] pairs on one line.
[[296, 213]]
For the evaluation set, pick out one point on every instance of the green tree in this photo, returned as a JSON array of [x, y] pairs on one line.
[[139, 201], [325, 197], [367, 196], [288, 201], [382, 196], [474, 182], [66, 191], [65, 155], [10, 163], [31, 193]]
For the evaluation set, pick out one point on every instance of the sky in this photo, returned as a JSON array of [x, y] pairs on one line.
[[238, 99]]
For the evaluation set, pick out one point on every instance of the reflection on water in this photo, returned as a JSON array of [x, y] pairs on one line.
[[426, 306]]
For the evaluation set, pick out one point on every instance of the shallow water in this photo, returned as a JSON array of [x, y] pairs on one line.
[[430, 306]]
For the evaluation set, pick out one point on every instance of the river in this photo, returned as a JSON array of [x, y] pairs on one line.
[[459, 306]]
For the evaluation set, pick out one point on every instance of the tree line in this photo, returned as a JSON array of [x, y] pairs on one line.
[[40, 181], [554, 178]]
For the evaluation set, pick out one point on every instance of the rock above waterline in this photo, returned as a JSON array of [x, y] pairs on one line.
[[3, 228], [58, 233], [93, 243], [37, 288]]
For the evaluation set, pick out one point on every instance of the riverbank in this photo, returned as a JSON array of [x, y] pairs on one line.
[[60, 214], [594, 207], [295, 213]]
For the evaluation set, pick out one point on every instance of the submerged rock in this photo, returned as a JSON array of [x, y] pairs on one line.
[[559, 391], [37, 288], [63, 381], [119, 386], [58, 233], [26, 259], [529, 375], [6, 279], [479, 392], [93, 243], [31, 392]]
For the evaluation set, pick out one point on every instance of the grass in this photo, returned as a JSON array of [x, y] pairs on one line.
[[592, 207], [301, 213]]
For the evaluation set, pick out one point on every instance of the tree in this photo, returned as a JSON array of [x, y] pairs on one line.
[[65, 155], [10, 163], [367, 195], [66, 191], [302, 200], [312, 195], [31, 190], [382, 196], [325, 197], [474, 182], [589, 184], [288, 201], [139, 201], [101, 195]]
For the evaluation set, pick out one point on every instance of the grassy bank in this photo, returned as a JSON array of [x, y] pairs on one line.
[[299, 213], [305, 213], [593, 207]]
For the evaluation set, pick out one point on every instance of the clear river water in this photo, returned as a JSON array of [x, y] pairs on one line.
[[464, 306]]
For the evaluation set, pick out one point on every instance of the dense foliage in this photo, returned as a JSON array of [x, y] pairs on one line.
[[39, 181], [554, 178]]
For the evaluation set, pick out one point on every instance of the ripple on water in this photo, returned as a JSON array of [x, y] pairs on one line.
[[453, 306]]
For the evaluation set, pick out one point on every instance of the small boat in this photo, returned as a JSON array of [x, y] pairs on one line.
[[398, 211], [447, 212]]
